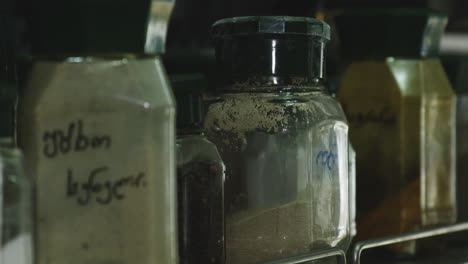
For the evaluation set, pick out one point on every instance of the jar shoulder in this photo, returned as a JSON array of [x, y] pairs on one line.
[[100, 84], [273, 112], [192, 148]]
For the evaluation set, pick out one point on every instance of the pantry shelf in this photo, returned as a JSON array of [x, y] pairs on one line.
[[308, 258], [450, 256], [416, 235]]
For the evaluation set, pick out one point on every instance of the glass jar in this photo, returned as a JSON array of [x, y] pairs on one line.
[[352, 190], [462, 142], [456, 66], [97, 125], [99, 136], [200, 179], [283, 138], [16, 211], [401, 111]]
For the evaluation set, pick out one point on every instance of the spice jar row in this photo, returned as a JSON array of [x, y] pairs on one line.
[[266, 171]]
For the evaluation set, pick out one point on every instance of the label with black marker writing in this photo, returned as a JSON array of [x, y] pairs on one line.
[[98, 184]]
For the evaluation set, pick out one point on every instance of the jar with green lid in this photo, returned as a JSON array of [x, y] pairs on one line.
[[97, 124], [283, 138], [200, 178], [401, 111]]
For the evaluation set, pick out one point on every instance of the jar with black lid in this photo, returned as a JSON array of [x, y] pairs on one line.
[[283, 138]]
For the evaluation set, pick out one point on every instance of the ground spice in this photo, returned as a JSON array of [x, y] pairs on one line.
[[283, 194], [200, 212]]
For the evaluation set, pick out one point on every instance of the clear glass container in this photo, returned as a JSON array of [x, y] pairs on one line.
[[16, 211], [283, 138], [462, 150], [456, 66], [401, 111], [99, 136], [200, 179], [352, 190]]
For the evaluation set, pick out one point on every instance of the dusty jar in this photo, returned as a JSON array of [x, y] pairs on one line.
[[283, 138], [99, 135]]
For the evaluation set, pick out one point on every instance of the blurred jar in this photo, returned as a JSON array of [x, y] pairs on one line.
[[16, 211], [97, 124], [283, 138], [352, 190], [401, 110], [16, 234], [457, 70], [200, 179]]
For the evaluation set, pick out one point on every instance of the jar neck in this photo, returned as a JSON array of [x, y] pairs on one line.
[[194, 130], [270, 61]]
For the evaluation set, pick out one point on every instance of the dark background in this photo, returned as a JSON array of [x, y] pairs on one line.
[[190, 24], [190, 45]]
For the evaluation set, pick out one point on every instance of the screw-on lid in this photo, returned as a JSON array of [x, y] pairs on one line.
[[271, 25], [95, 27], [269, 53], [390, 32], [188, 93]]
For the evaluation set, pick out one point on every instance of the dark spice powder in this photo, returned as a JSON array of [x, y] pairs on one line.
[[200, 213]]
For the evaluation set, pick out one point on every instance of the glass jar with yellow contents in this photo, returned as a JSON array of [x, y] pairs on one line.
[[401, 110]]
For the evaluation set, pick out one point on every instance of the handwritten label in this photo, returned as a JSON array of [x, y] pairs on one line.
[[97, 187], [382, 116], [105, 190], [73, 139], [326, 159]]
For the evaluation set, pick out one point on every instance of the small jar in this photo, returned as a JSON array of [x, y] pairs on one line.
[[283, 138], [200, 179], [16, 232]]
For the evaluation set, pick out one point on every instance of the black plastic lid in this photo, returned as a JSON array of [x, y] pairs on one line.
[[270, 53], [98, 27], [390, 32], [282, 25], [188, 93]]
